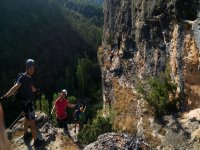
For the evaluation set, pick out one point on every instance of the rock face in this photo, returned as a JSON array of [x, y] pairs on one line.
[[54, 138], [140, 39]]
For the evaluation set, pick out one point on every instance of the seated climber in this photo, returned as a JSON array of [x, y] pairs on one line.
[[79, 115], [61, 105]]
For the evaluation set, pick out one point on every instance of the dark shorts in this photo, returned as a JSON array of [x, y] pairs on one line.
[[28, 109], [62, 123]]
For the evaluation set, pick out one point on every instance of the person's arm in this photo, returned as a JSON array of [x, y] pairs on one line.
[[33, 88], [13, 90], [84, 109], [52, 109], [3, 136], [71, 105]]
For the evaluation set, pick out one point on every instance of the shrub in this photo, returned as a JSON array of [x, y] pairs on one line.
[[92, 130], [91, 110], [55, 97], [45, 104], [70, 112], [72, 99], [160, 93], [42, 105]]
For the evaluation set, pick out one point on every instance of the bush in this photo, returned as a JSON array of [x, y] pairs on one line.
[[92, 110], [92, 130], [55, 97], [72, 99], [43, 105], [70, 112], [160, 93]]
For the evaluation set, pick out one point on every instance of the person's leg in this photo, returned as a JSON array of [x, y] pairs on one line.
[[30, 119], [59, 121], [64, 124], [26, 120], [33, 129], [26, 124]]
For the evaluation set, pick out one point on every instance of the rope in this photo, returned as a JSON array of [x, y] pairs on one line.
[[15, 121], [19, 118]]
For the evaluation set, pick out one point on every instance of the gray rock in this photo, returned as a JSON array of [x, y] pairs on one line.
[[52, 137], [117, 141]]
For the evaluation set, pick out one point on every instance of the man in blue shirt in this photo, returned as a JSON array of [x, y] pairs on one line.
[[25, 86]]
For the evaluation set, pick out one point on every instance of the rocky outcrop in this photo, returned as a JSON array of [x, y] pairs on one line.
[[117, 141], [178, 131], [141, 38], [54, 138]]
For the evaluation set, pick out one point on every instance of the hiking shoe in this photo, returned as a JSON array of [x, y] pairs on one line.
[[38, 143], [27, 136]]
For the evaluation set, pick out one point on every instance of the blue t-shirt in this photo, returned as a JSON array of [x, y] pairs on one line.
[[25, 88]]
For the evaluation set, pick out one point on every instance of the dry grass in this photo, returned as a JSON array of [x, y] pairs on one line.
[[153, 141], [68, 144], [162, 131], [191, 73], [125, 107], [125, 123]]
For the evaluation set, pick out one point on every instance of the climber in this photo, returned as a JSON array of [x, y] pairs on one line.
[[60, 106], [25, 86], [79, 115]]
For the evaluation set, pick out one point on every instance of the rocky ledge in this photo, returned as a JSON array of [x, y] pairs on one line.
[[178, 131], [117, 141], [54, 138]]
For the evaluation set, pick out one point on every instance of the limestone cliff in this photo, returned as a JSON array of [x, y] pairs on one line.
[[140, 38]]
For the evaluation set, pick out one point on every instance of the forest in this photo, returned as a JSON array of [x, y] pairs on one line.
[[62, 36]]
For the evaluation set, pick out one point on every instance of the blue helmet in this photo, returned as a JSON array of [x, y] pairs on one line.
[[30, 63]]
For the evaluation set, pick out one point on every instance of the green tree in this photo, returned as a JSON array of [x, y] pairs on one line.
[[42, 105], [92, 130], [160, 93], [82, 75], [57, 35]]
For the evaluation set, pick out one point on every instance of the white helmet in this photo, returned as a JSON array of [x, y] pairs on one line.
[[65, 92]]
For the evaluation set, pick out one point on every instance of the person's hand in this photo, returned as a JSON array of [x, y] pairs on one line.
[[3, 136], [2, 98], [38, 93], [38, 90]]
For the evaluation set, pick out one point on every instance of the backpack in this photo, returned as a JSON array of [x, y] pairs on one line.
[[18, 94]]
